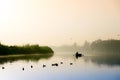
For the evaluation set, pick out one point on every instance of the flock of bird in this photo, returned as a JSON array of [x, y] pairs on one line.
[[77, 55], [55, 64]]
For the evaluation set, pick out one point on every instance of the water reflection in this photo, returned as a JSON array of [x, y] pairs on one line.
[[99, 60], [103, 60], [35, 58], [65, 67]]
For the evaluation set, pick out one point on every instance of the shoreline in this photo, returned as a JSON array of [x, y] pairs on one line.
[[20, 55]]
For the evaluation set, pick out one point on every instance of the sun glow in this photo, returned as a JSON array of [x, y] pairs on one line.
[[57, 22]]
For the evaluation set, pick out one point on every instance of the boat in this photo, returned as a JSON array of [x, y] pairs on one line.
[[78, 54]]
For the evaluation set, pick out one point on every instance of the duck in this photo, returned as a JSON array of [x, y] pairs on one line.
[[3, 67], [71, 63], [61, 62], [31, 66], [44, 65], [23, 69], [55, 64]]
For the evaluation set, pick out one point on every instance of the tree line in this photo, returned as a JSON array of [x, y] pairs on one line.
[[26, 49], [106, 46]]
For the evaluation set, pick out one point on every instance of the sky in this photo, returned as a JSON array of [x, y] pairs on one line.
[[58, 22]]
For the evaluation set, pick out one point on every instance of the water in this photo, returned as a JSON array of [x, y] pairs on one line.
[[83, 68]]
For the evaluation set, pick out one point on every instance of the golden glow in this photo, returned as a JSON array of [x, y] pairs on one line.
[[57, 22]]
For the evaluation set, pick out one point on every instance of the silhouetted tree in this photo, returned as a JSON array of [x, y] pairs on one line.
[[26, 49]]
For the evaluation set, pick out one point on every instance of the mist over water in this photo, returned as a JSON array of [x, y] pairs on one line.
[[86, 67], [74, 24]]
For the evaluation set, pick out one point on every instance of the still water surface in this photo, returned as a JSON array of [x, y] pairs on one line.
[[83, 68]]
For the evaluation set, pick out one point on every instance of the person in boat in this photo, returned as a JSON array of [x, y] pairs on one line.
[[78, 54]]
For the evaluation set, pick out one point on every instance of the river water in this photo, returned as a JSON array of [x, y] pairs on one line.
[[69, 68]]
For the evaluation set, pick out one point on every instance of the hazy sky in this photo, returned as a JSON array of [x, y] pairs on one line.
[[57, 22]]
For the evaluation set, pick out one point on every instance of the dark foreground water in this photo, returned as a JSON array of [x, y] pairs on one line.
[[83, 68]]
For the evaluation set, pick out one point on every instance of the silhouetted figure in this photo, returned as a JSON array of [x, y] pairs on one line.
[[55, 64], [71, 63], [23, 69], [78, 55], [61, 62], [44, 65], [31, 66], [3, 67]]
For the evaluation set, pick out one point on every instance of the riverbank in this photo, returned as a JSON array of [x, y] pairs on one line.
[[26, 49]]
